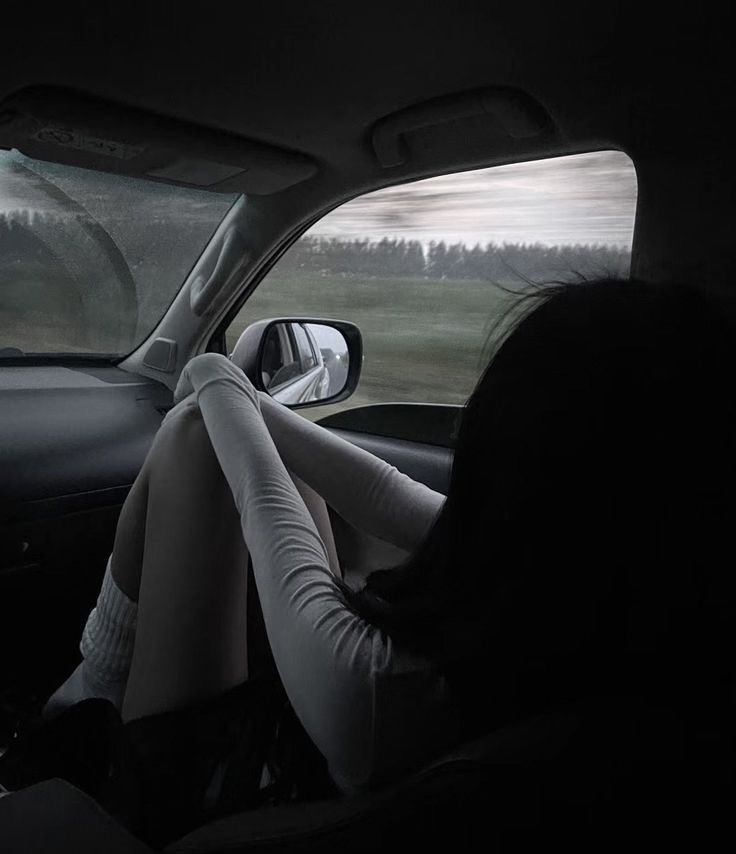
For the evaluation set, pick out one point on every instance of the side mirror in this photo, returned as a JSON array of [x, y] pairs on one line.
[[301, 361]]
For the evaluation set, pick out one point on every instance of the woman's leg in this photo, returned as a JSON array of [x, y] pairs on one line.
[[321, 518], [190, 641], [179, 552], [126, 560]]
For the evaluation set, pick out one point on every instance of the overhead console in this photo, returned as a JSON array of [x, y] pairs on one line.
[[69, 127]]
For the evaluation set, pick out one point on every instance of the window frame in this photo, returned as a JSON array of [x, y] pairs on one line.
[[217, 341]]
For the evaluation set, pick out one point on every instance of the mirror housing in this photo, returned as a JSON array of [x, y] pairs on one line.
[[334, 351]]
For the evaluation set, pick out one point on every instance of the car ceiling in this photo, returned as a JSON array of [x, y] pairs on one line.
[[315, 76]]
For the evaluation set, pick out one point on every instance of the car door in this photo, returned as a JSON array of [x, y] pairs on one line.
[[293, 375], [315, 374], [433, 273]]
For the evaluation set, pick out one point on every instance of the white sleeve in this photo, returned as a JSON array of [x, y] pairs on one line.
[[372, 710], [366, 491]]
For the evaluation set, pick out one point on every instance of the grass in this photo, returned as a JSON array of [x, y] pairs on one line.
[[424, 340]]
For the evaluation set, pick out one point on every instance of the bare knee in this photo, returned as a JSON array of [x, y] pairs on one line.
[[184, 425], [180, 458], [183, 442]]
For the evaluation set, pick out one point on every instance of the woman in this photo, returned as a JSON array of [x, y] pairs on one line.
[[576, 552]]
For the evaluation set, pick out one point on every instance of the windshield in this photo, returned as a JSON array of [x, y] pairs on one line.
[[89, 262]]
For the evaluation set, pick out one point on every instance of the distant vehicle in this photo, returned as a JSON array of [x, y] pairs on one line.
[[292, 365]]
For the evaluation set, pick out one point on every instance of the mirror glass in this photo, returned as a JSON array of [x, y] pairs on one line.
[[304, 362]]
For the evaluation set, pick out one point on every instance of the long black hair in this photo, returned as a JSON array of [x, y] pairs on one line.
[[590, 499]]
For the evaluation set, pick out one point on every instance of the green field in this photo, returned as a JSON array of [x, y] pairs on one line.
[[424, 340]]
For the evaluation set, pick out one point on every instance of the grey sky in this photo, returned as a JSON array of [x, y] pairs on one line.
[[328, 337], [584, 198]]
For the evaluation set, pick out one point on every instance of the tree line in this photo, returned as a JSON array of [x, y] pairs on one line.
[[444, 260], [498, 262]]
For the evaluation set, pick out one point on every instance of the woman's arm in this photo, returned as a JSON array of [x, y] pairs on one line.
[[367, 492], [373, 711]]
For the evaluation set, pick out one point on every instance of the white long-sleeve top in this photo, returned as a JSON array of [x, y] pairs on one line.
[[373, 710]]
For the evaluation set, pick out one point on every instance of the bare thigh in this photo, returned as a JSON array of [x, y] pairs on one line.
[[179, 552], [191, 635]]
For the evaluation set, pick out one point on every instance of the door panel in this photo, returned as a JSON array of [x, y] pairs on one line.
[[428, 464], [431, 464], [428, 423]]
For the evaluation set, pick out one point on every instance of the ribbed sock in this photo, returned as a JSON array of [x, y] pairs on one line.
[[108, 637]]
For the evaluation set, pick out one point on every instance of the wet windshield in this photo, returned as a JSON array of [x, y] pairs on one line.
[[89, 261]]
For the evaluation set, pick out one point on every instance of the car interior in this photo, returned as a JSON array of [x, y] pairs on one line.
[[281, 113]]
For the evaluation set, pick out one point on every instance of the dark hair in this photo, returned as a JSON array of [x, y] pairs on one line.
[[590, 497]]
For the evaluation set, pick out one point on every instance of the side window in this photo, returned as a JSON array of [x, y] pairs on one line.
[[280, 357], [425, 269], [276, 355]]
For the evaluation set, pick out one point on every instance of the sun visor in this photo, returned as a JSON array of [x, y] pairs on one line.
[[63, 126]]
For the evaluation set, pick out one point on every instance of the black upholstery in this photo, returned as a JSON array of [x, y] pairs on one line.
[[594, 771], [53, 817], [587, 775]]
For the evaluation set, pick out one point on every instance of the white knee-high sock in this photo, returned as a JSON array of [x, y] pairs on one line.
[[108, 637], [107, 647]]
